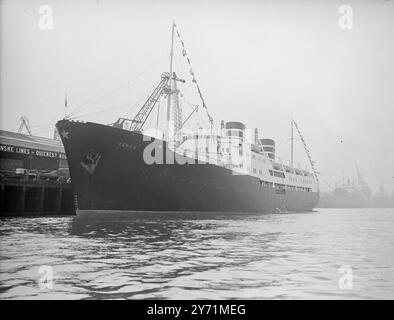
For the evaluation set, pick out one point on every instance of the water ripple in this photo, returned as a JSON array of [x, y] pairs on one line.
[[199, 256]]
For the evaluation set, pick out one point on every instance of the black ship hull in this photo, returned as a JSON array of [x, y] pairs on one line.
[[108, 172]]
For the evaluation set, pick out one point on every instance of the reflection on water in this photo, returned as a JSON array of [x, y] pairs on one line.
[[195, 256]]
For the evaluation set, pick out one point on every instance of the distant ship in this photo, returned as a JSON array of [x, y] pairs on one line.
[[125, 166], [383, 199], [351, 194]]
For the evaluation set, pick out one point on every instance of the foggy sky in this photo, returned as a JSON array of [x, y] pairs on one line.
[[258, 62]]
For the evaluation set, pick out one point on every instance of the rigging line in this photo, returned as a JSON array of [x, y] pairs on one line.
[[100, 94], [42, 124], [105, 94], [75, 114], [128, 112], [158, 115], [43, 131], [150, 121], [104, 110], [189, 103], [201, 119], [37, 126], [146, 94]]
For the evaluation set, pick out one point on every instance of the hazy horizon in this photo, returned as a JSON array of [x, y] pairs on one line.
[[258, 62]]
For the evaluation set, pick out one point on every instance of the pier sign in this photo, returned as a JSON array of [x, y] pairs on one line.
[[32, 152]]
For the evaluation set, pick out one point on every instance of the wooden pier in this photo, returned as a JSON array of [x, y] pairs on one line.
[[23, 197]]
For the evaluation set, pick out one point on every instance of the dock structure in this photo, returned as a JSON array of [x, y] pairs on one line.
[[34, 176], [23, 197]]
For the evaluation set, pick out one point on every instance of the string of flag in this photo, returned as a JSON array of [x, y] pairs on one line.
[[306, 150], [186, 56]]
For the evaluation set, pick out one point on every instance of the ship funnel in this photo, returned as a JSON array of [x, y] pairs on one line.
[[268, 147], [235, 129], [235, 125], [256, 136]]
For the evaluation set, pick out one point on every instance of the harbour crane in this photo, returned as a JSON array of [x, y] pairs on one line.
[[162, 88], [24, 123]]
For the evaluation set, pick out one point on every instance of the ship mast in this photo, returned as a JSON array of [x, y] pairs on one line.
[[292, 143], [170, 82]]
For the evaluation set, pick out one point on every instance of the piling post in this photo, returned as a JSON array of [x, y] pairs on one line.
[[41, 203], [22, 197], [2, 198], [59, 200]]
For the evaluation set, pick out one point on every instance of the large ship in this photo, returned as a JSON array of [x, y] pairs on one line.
[[127, 166]]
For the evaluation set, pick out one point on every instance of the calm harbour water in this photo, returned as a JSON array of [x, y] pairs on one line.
[[201, 256]]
